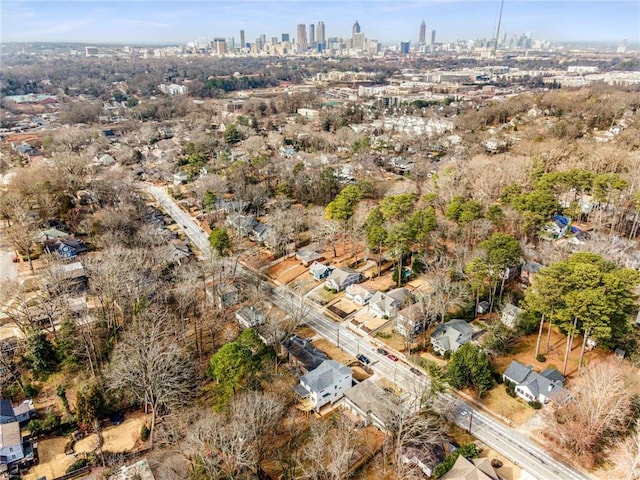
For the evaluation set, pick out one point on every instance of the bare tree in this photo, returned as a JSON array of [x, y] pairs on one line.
[[600, 412], [151, 367], [329, 452]]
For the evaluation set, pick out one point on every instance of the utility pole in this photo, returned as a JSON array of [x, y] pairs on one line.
[[470, 420]]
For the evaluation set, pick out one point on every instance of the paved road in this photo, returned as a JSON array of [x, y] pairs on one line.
[[507, 441], [8, 269]]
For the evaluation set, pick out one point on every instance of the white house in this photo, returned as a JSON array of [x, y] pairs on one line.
[[388, 304], [510, 314], [341, 278], [250, 317], [325, 384], [542, 387], [358, 294]]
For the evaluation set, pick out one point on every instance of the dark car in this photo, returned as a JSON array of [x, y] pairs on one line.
[[392, 357], [116, 418], [363, 359], [415, 371], [382, 351]]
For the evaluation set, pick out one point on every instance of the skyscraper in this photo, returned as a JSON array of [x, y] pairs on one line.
[[320, 32], [356, 28], [302, 37], [422, 37], [285, 37], [404, 47], [433, 40], [242, 39], [312, 34]]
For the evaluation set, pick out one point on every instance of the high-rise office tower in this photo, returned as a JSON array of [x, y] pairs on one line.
[[358, 41], [423, 33], [302, 37], [242, 39], [312, 34], [274, 40], [320, 32], [285, 37], [263, 39], [433, 40], [404, 47], [356, 28]]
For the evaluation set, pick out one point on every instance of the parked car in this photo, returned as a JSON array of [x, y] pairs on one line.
[[415, 371], [392, 357], [363, 359], [382, 351]]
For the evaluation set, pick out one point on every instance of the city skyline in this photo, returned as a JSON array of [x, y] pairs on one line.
[[164, 22]]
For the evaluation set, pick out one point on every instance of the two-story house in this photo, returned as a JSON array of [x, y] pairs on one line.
[[341, 278], [358, 294], [387, 305], [451, 335], [325, 384]]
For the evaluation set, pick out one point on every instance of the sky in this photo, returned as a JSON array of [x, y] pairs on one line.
[[171, 22]]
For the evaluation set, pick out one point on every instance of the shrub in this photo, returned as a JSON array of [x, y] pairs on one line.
[[541, 358], [48, 425], [535, 404], [145, 431], [77, 465], [510, 387], [467, 451]]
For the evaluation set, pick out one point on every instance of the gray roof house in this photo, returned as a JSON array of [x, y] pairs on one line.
[[325, 384], [250, 317], [6, 411], [388, 304], [374, 405], [307, 256], [450, 336], [320, 271], [10, 443], [531, 385], [341, 278], [302, 354], [510, 314]]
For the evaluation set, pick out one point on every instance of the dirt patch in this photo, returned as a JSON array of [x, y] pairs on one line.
[[333, 351], [375, 323], [390, 339], [53, 461], [359, 373], [123, 437], [381, 283], [286, 271], [343, 308], [86, 444]]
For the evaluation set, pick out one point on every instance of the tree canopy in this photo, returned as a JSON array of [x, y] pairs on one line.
[[469, 367]]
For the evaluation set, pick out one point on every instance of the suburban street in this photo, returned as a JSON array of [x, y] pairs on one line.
[[503, 439]]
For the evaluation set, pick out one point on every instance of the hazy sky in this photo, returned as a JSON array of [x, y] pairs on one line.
[[162, 21]]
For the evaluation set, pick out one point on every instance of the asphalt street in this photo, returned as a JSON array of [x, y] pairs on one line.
[[503, 439]]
